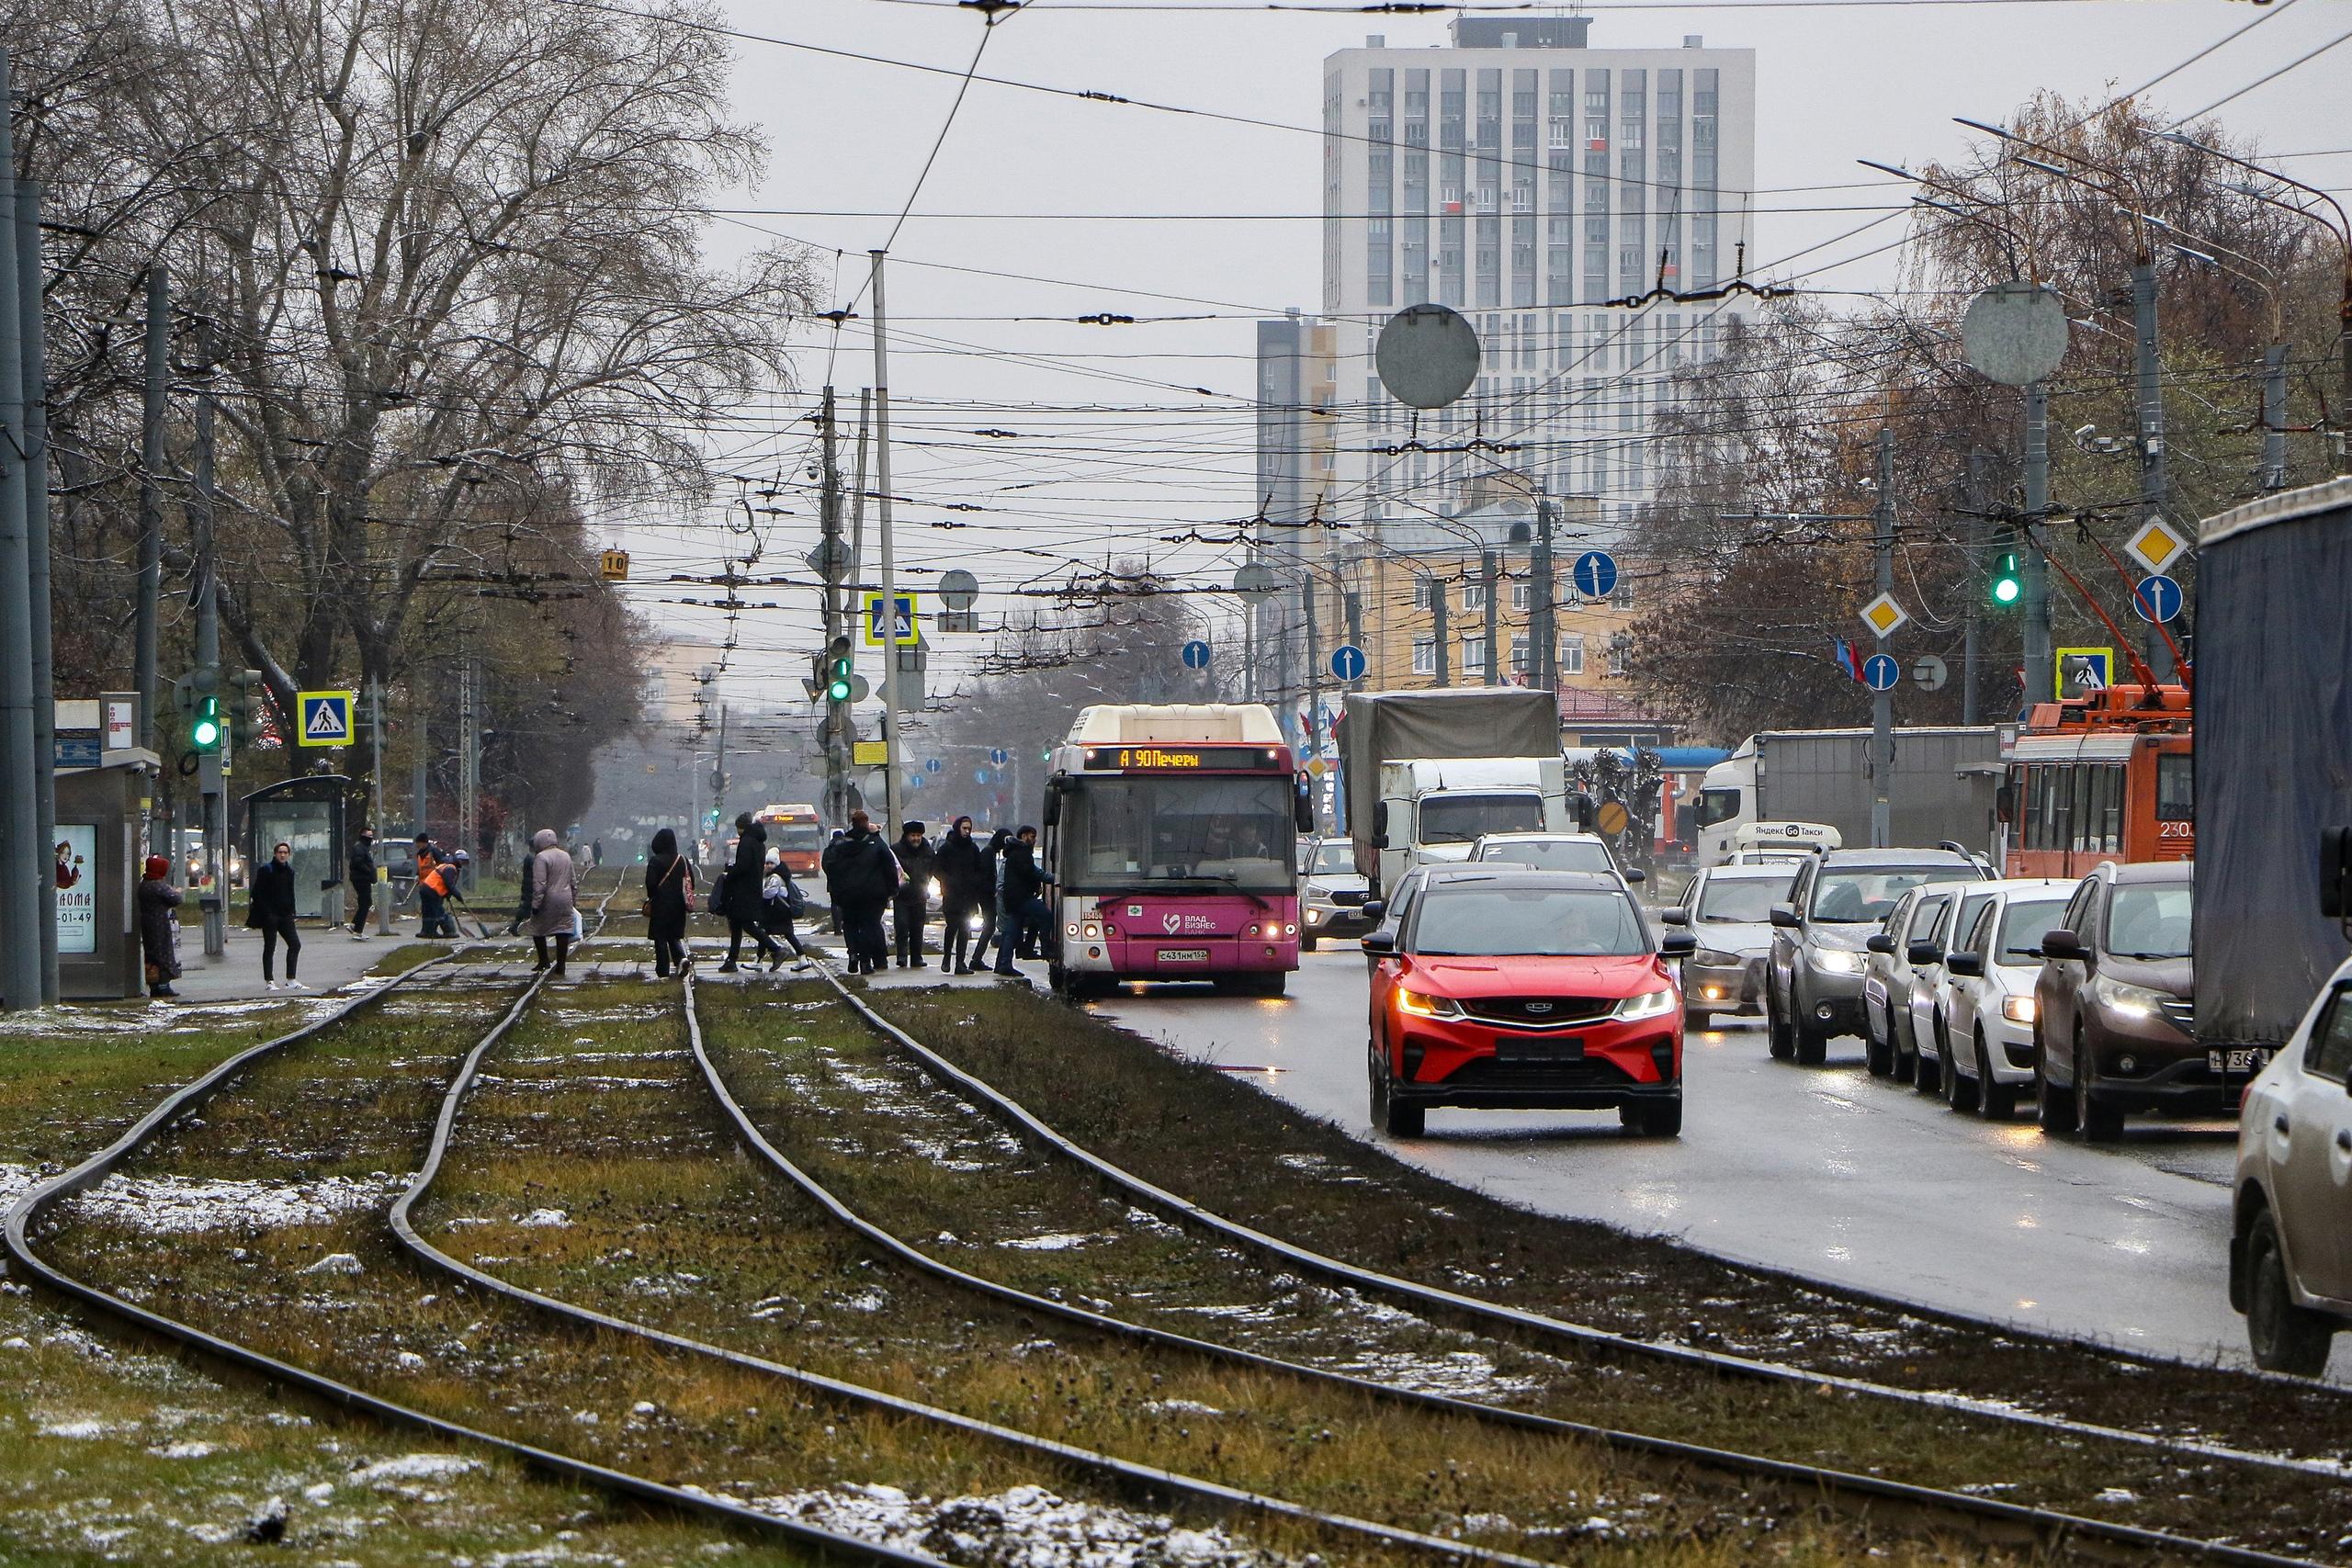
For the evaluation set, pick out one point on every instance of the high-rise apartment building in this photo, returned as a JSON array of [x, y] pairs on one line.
[[1527, 180]]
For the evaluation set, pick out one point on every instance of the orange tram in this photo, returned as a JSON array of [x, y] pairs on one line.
[[2105, 776]]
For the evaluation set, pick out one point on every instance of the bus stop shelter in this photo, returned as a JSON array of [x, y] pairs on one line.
[[305, 813]]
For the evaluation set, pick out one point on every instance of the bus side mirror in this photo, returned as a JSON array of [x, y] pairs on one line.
[[1302, 805], [2004, 802], [1380, 824], [1053, 812], [2335, 872]]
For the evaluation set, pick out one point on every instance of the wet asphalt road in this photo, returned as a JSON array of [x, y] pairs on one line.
[[1820, 1171]]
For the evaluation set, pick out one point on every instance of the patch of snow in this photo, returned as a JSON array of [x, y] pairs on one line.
[[177, 1206], [1025, 1525], [1061, 1241], [547, 1219], [336, 1263], [2116, 1494], [82, 1430], [867, 1300], [415, 1467], [185, 1449], [1182, 1407]]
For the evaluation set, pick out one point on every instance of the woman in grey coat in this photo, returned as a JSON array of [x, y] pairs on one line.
[[550, 878]]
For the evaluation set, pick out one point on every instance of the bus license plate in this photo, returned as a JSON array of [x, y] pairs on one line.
[[1184, 955], [2248, 1059]]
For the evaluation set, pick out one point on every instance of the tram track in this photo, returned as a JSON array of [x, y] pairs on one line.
[[2014, 1520], [180, 1105]]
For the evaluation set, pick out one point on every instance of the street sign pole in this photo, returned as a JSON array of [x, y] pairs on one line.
[[215, 903], [893, 792], [1882, 702]]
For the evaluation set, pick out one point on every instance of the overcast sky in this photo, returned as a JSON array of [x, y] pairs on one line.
[[1126, 434]]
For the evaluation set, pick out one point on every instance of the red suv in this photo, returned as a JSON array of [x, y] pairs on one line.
[[1526, 989]]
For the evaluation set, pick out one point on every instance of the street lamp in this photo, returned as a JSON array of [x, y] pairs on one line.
[[2340, 232]]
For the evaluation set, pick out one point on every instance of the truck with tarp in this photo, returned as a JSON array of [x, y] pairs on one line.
[[1943, 788], [1426, 774], [2273, 763]]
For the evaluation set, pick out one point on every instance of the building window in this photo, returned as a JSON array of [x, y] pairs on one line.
[[1474, 655], [1619, 646], [1425, 592], [1572, 654], [1522, 595], [1424, 656], [1623, 598], [1519, 657], [1474, 596]]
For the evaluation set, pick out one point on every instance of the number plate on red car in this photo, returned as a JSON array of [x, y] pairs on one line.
[[1540, 1048]]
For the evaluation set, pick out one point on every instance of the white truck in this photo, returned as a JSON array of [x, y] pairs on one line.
[[1425, 773]]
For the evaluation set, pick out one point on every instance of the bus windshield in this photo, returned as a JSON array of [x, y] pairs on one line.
[[794, 835], [1193, 831]]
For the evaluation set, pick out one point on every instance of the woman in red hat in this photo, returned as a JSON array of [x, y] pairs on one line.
[[159, 926]]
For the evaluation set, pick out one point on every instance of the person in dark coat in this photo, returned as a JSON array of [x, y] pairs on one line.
[[1021, 914], [362, 869], [966, 880], [159, 926], [911, 902], [739, 894], [269, 909], [991, 881], [669, 893], [861, 876]]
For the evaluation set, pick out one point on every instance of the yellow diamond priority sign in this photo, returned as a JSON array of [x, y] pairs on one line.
[[2156, 545], [1884, 616]]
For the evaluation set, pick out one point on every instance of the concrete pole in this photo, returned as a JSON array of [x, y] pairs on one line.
[[469, 761], [418, 764], [1488, 576], [28, 281], [1972, 531], [1438, 610], [1882, 703], [894, 786], [1543, 622], [829, 592], [383, 905], [2274, 418], [2033, 563], [718, 771], [1314, 671], [2149, 402], [152, 459], [211, 775], [25, 871]]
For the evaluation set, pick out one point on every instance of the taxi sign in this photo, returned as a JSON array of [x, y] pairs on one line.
[[612, 566], [325, 719], [1884, 616], [1810, 835], [2156, 545]]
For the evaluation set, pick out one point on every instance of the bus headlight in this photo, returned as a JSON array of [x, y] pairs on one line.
[[1071, 929], [1289, 931], [1093, 931]]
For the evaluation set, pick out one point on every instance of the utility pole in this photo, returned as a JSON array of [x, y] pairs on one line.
[[1882, 703], [718, 771], [1542, 623], [1438, 589], [2150, 405], [834, 553], [2033, 560], [24, 872], [2274, 418], [211, 768], [418, 778], [29, 278], [1314, 660], [1971, 521], [893, 784], [469, 760], [152, 459], [1486, 575], [383, 905]]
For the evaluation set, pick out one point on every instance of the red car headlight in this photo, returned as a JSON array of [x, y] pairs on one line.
[[1420, 1004]]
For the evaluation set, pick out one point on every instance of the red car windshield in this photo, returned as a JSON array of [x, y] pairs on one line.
[[1531, 922]]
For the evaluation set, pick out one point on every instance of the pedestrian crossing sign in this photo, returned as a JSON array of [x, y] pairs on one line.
[[326, 718], [905, 629]]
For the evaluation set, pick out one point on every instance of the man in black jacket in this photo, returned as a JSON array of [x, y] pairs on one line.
[[739, 894], [269, 909], [363, 879], [1023, 916], [861, 876], [966, 881], [911, 902]]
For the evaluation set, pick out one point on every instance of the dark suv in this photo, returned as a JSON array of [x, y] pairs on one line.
[[2113, 1009], [1813, 981]]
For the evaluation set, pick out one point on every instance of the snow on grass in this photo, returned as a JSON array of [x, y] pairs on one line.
[[1058, 1241], [1025, 1525], [174, 1205], [415, 1467], [545, 1219]]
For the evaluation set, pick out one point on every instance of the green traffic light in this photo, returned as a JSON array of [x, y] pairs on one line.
[[205, 732], [2007, 586], [2005, 592]]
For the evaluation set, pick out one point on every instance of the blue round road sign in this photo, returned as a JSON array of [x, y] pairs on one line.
[[914, 780], [1348, 662], [2156, 599], [999, 756], [979, 775], [1595, 574], [1196, 655], [1880, 672], [932, 765]]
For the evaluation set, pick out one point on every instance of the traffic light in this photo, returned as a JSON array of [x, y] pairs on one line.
[[204, 729], [841, 670], [244, 708], [2006, 585]]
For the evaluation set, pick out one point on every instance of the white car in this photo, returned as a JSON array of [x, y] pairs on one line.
[[1905, 967], [1728, 908], [1986, 1042], [1331, 892], [2290, 1249], [1552, 851], [1931, 1000]]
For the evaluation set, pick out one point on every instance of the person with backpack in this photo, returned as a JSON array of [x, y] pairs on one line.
[[862, 877], [740, 895], [782, 903]]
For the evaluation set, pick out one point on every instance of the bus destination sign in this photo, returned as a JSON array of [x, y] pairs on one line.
[[1183, 759]]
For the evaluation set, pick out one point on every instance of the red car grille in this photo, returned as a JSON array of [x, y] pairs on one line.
[[1539, 1011]]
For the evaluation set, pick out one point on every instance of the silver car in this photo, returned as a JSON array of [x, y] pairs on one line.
[[1331, 892], [1728, 908]]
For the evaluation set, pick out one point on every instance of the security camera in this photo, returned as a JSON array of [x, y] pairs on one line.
[[2085, 433]]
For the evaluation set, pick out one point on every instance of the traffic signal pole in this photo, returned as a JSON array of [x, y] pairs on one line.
[[1882, 703], [834, 553], [23, 862], [211, 771], [35, 457], [2035, 653]]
